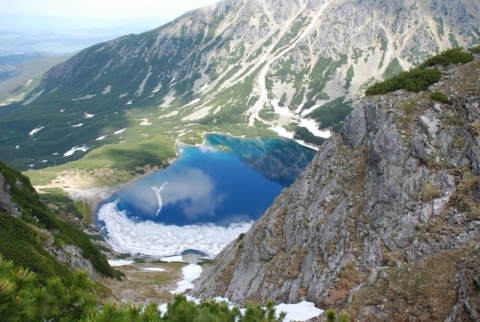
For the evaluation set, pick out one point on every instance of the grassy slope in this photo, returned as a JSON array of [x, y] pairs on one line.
[[23, 240]]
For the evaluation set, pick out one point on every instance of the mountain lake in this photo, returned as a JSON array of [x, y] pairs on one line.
[[208, 196]]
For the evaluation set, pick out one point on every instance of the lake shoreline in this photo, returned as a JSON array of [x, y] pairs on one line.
[[209, 191], [94, 203]]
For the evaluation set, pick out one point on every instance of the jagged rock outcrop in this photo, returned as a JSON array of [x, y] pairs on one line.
[[73, 257], [6, 203], [384, 223]]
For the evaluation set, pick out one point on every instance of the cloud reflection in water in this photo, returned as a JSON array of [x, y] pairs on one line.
[[191, 190]]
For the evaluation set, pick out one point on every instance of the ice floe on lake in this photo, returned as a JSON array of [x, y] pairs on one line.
[[173, 259], [154, 239]]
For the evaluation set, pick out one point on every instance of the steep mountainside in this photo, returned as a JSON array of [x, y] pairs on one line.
[[19, 74], [33, 238], [384, 223], [231, 67]]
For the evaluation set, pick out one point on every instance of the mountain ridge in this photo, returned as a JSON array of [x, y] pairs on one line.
[[289, 68], [384, 223]]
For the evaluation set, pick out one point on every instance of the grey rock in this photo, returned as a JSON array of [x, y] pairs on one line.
[[430, 123], [474, 156], [6, 203], [368, 194], [419, 150], [73, 257], [355, 127]]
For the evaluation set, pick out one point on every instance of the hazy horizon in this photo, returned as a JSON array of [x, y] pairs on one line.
[[58, 26], [105, 9]]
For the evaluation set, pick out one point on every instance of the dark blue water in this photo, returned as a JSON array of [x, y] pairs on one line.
[[227, 180]]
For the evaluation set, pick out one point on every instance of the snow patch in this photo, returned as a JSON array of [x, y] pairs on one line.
[[190, 273], [169, 114], [76, 148], [34, 97], [101, 138], [107, 89], [88, 116], [141, 87], [279, 110], [168, 99], [119, 262], [302, 311], [283, 132], [312, 126], [35, 131], [310, 110], [145, 122], [199, 114], [120, 131], [77, 125], [153, 269], [192, 102], [86, 97]]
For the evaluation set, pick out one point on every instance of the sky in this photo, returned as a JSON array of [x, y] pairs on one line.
[[107, 9]]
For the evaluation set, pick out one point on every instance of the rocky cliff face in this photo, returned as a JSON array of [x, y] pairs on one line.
[[385, 222], [6, 203]]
